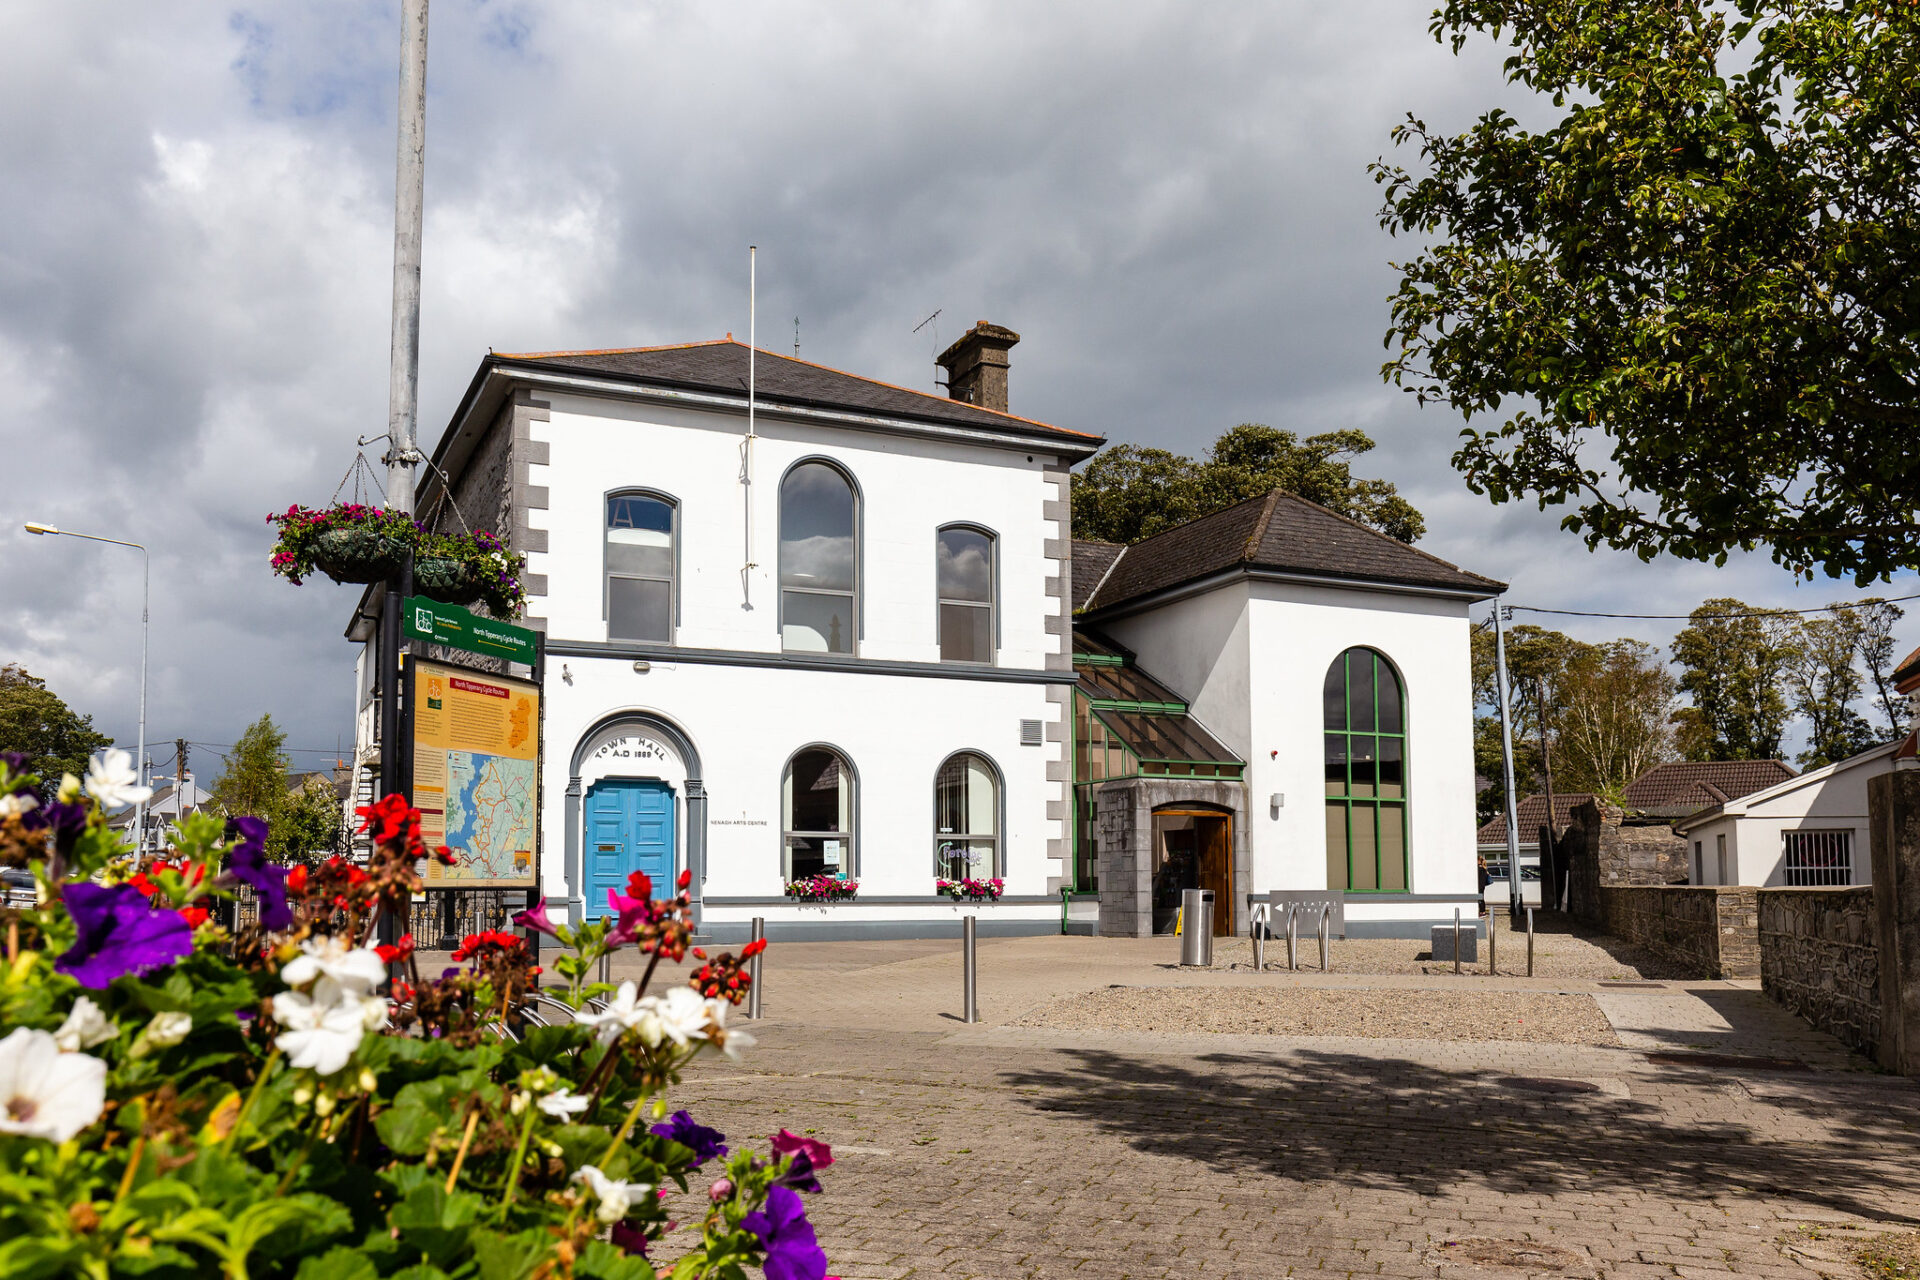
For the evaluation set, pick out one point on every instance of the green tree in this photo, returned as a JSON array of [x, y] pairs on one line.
[[1687, 307], [1127, 493], [1825, 683], [1734, 662], [1612, 716], [255, 780], [1877, 653], [36, 723], [310, 823]]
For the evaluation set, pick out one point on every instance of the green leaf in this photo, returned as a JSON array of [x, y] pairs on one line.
[[31, 1257], [438, 1225], [339, 1263], [602, 1261], [512, 1257]]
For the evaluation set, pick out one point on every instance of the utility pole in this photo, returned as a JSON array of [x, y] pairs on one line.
[[1506, 763], [179, 779], [403, 383], [409, 203]]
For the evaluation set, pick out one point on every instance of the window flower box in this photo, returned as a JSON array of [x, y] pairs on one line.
[[970, 890], [823, 889]]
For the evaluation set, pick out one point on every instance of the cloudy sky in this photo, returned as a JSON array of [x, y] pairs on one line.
[[1168, 201]]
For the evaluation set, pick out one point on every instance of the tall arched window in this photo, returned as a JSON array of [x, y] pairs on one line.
[[641, 561], [964, 572], [816, 815], [819, 561], [1366, 753], [966, 819]]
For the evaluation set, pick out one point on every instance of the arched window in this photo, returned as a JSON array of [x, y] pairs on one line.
[[816, 815], [1366, 752], [819, 564], [966, 819], [641, 565], [965, 576]]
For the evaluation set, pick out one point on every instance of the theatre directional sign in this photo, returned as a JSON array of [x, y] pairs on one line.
[[425, 619]]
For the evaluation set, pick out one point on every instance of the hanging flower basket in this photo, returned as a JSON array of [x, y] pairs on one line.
[[449, 581], [357, 555], [354, 543]]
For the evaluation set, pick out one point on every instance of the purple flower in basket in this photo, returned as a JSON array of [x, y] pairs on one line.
[[793, 1252], [247, 863], [705, 1143], [120, 932]]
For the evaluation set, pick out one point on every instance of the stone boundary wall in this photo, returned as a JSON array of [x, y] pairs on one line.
[[1712, 931], [1607, 847], [1819, 957]]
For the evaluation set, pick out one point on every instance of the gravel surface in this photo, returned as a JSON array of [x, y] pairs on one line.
[[1557, 953], [1537, 1016]]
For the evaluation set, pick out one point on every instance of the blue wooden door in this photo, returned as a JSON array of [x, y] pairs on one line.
[[629, 828]]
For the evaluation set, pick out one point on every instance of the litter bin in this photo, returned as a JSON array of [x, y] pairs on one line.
[[1196, 927]]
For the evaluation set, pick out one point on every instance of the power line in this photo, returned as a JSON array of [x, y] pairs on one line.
[[1688, 617]]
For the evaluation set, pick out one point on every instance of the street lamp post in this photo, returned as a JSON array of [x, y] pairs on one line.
[[146, 583]]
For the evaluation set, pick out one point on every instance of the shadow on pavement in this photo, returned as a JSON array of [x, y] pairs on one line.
[[1392, 1124]]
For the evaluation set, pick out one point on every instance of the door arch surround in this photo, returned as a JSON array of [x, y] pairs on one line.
[[1193, 848], [643, 723]]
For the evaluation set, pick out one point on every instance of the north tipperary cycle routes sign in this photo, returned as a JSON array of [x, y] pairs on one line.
[[457, 628]]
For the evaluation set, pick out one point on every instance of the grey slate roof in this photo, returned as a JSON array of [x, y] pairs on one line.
[[1532, 815], [1091, 560], [721, 366], [1280, 532]]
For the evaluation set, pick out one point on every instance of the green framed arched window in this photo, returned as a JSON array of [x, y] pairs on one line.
[[1366, 755]]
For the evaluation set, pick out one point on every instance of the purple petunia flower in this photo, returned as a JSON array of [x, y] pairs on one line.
[[705, 1143], [630, 1239], [120, 932], [65, 820], [16, 765], [247, 862], [793, 1253], [536, 918]]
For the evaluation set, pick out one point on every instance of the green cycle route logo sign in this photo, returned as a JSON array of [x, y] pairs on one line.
[[425, 619]]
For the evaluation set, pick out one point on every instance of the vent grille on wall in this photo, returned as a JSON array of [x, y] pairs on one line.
[[1030, 733]]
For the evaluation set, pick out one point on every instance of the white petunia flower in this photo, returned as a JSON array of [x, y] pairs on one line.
[[45, 1093], [323, 1028], [359, 970], [112, 781], [733, 1043], [20, 802], [615, 1197], [165, 1031], [681, 1015], [84, 1028], [623, 1013], [562, 1103], [69, 789]]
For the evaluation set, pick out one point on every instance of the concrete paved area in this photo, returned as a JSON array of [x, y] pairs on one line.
[[1697, 1148]]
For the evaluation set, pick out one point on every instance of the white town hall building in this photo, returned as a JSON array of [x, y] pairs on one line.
[[844, 631]]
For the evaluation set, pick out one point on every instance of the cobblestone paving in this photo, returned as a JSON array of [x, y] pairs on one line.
[[1003, 1151]]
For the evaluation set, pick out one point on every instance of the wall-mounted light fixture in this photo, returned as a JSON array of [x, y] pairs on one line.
[[566, 673], [641, 667]]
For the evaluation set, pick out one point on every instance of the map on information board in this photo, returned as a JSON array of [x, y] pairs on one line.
[[476, 747]]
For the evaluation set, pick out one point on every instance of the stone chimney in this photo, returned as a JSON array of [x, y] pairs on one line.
[[976, 366]]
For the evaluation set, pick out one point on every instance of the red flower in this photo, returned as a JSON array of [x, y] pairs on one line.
[[194, 916], [391, 952], [297, 880], [444, 854], [640, 885], [686, 877], [753, 948]]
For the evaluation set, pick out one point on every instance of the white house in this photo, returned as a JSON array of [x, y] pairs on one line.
[[1808, 830], [1323, 715], [828, 629]]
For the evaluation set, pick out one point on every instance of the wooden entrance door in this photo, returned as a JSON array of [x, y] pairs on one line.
[[1215, 834]]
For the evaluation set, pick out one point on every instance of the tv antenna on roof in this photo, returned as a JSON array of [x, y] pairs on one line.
[[936, 332], [796, 337]]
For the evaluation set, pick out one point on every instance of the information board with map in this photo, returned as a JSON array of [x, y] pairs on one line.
[[476, 751]]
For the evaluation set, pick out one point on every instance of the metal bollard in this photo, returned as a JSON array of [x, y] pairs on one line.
[[1456, 939], [1325, 962], [606, 967], [1293, 936], [1257, 933], [753, 969], [1493, 952], [970, 973], [1529, 942]]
